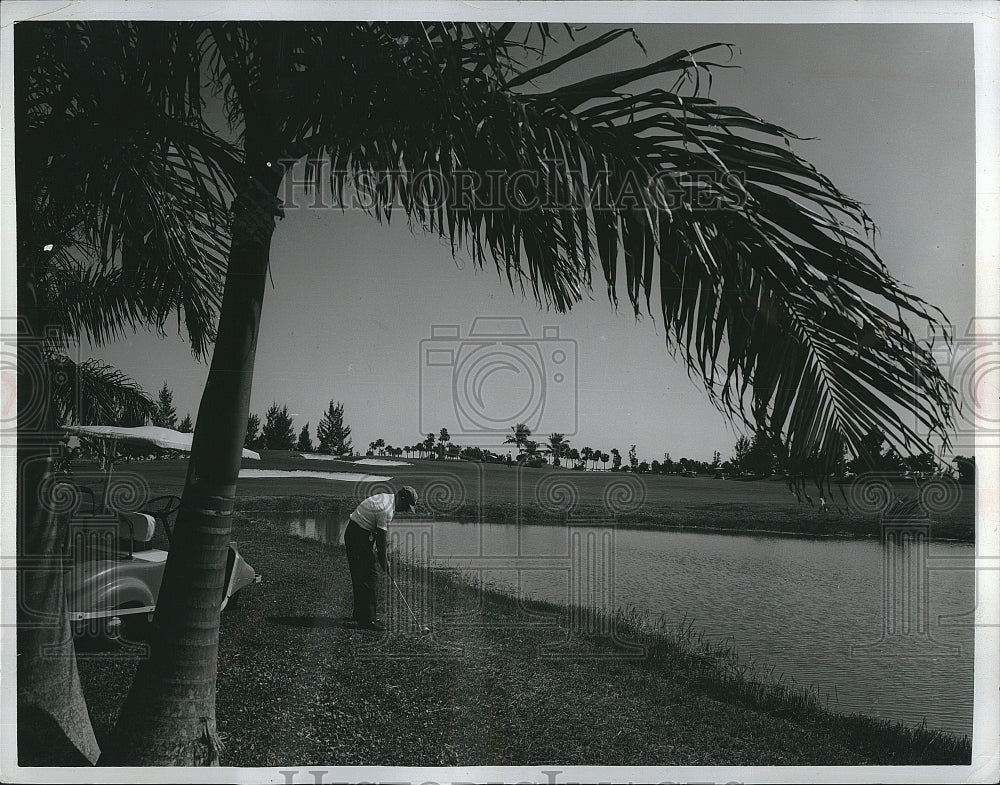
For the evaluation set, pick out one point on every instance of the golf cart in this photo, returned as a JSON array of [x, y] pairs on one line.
[[115, 557]]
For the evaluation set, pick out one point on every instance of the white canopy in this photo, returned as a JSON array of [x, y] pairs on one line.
[[145, 434]]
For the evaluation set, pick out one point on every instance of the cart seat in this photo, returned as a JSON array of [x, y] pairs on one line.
[[140, 532]]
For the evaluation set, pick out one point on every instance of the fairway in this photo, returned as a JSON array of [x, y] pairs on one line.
[[558, 493]]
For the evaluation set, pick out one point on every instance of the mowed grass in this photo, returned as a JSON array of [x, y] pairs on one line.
[[467, 491], [498, 682]]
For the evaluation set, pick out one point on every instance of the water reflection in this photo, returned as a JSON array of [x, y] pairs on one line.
[[325, 528], [883, 629]]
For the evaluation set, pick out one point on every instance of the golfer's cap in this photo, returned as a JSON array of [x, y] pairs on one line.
[[409, 489]]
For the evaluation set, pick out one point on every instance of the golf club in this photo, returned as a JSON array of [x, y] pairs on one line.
[[423, 629]]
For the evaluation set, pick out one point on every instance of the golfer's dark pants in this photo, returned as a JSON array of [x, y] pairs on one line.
[[361, 559]]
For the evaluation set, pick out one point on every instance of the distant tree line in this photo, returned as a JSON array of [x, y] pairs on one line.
[[753, 455]]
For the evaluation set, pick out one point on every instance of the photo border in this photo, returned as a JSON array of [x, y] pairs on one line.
[[986, 747]]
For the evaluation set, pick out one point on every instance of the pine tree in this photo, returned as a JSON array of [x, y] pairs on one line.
[[252, 439], [185, 426], [278, 433], [165, 416], [740, 452], [334, 437], [304, 444]]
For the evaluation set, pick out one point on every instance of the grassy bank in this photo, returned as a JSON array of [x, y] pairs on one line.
[[499, 682], [733, 518]]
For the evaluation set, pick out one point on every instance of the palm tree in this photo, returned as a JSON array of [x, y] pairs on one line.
[[519, 436], [111, 235], [774, 266], [558, 447], [604, 459]]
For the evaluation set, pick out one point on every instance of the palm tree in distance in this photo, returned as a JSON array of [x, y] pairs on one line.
[[558, 447], [772, 268], [519, 436]]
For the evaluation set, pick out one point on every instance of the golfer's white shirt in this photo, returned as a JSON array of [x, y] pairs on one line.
[[375, 512]]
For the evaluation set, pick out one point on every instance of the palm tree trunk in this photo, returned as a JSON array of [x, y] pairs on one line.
[[53, 722], [169, 714]]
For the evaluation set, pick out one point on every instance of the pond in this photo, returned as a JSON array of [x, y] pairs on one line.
[[880, 629]]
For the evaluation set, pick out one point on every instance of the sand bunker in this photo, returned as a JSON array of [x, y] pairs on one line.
[[380, 462], [294, 474], [312, 456]]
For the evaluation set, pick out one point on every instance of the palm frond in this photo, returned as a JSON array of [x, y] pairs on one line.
[[95, 393], [126, 179], [768, 280]]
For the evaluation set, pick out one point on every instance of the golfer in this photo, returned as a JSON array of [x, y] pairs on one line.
[[364, 540]]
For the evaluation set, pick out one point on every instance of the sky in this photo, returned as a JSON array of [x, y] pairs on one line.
[[379, 318]]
